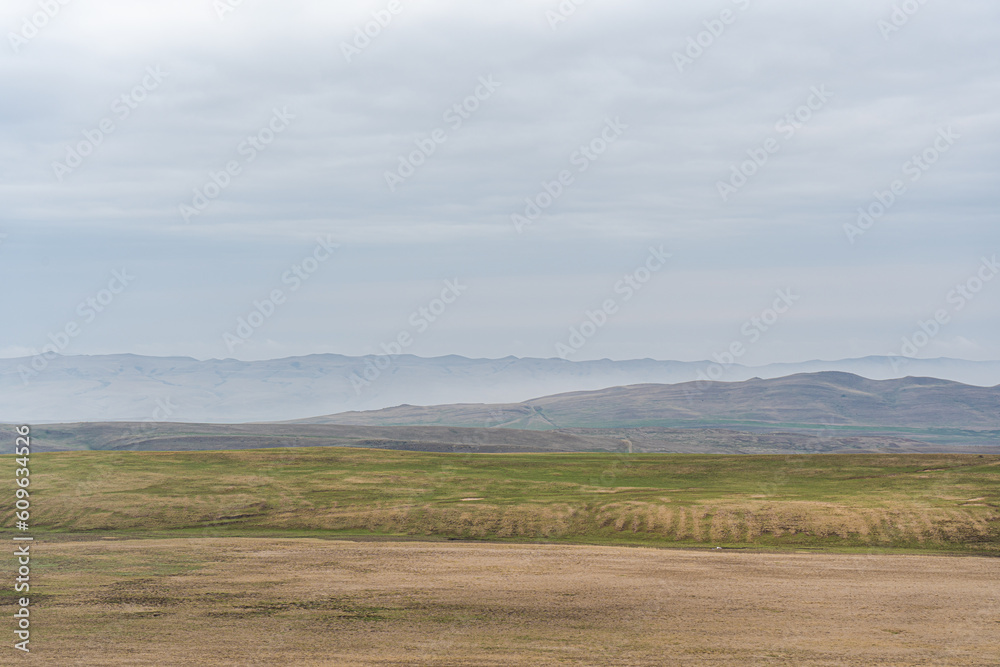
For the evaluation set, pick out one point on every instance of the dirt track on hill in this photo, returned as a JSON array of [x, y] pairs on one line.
[[253, 601]]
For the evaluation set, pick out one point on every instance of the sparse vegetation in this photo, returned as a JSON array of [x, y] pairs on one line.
[[273, 601]]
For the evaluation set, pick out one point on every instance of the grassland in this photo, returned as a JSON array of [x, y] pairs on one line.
[[225, 558], [842, 502]]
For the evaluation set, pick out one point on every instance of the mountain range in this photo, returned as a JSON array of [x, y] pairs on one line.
[[126, 387], [810, 412]]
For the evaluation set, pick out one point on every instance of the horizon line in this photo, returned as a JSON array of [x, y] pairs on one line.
[[510, 356]]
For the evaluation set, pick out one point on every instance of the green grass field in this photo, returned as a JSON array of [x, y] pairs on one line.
[[838, 501]]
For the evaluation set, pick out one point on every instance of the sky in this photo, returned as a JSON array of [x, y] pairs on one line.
[[778, 180]]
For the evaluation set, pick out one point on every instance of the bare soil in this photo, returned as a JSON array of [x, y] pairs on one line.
[[254, 601]]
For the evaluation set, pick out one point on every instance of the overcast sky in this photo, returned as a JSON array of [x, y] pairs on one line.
[[739, 138]]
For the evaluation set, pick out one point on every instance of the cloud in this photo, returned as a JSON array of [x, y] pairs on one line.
[[560, 82]]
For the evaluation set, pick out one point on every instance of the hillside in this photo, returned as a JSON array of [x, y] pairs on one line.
[[832, 398], [822, 403], [168, 436]]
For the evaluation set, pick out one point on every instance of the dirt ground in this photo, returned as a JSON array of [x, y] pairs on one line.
[[252, 601]]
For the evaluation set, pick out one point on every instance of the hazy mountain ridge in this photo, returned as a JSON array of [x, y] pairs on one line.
[[139, 388], [811, 412], [829, 402]]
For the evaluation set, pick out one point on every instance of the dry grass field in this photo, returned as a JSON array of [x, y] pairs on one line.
[[254, 601], [939, 502]]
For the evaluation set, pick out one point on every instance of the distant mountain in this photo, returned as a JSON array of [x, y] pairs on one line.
[[136, 388], [826, 402], [811, 412]]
